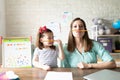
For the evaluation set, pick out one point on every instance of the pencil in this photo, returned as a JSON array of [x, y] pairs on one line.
[[80, 30], [50, 40]]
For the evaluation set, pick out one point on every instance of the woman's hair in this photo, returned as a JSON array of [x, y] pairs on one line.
[[40, 33], [71, 40]]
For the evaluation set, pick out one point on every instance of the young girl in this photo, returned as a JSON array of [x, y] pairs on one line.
[[45, 54]]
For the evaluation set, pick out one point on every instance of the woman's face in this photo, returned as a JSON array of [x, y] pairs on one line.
[[77, 29]]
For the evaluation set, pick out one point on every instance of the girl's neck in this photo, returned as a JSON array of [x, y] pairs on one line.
[[46, 47]]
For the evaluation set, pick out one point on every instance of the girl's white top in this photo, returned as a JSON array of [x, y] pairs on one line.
[[47, 56]]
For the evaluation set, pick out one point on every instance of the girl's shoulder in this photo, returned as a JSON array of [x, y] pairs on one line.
[[37, 48]]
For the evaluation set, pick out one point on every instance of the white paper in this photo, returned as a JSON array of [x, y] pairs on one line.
[[51, 75]]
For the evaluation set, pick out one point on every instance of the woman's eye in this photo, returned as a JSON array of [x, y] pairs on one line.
[[81, 27]]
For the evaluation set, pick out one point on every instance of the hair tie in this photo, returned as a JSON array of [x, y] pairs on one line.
[[42, 29]]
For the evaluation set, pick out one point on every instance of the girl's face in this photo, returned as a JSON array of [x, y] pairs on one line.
[[77, 29], [47, 39]]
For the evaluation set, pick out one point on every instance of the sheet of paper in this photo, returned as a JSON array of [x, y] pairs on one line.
[[51, 75]]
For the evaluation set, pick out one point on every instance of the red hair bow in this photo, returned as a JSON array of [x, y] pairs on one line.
[[42, 29]]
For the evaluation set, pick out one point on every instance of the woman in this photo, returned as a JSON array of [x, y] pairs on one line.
[[82, 52]]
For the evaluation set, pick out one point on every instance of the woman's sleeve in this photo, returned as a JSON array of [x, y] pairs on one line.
[[102, 52], [64, 63]]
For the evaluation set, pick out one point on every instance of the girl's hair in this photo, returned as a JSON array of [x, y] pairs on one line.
[[40, 33], [71, 40]]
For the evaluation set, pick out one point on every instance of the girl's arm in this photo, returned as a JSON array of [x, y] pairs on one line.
[[35, 61], [36, 64], [61, 52]]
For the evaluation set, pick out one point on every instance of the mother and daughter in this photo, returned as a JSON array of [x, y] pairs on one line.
[[80, 51]]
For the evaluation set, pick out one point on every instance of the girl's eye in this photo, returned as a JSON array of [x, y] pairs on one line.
[[75, 26], [50, 38]]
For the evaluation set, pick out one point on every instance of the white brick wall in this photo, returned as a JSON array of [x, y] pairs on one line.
[[24, 17], [2, 24]]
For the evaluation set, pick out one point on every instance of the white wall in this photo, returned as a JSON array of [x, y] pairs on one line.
[[2, 24], [24, 17]]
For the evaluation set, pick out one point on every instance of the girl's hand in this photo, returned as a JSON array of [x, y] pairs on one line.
[[46, 67], [59, 42], [60, 47], [83, 65]]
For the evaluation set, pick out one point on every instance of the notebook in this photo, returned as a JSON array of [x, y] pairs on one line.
[[104, 74]]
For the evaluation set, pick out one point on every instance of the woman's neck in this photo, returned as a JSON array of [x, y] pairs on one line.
[[79, 42], [80, 45]]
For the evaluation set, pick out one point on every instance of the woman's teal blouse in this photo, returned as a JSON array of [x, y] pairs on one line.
[[73, 58]]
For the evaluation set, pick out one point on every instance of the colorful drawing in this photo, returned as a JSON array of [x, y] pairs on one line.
[[16, 52], [66, 18]]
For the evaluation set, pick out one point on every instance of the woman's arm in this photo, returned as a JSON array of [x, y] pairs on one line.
[[61, 52], [110, 64], [102, 53]]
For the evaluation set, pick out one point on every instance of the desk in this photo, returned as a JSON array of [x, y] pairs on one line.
[[39, 74]]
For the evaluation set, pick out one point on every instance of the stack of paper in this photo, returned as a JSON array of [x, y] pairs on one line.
[[51, 75]]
